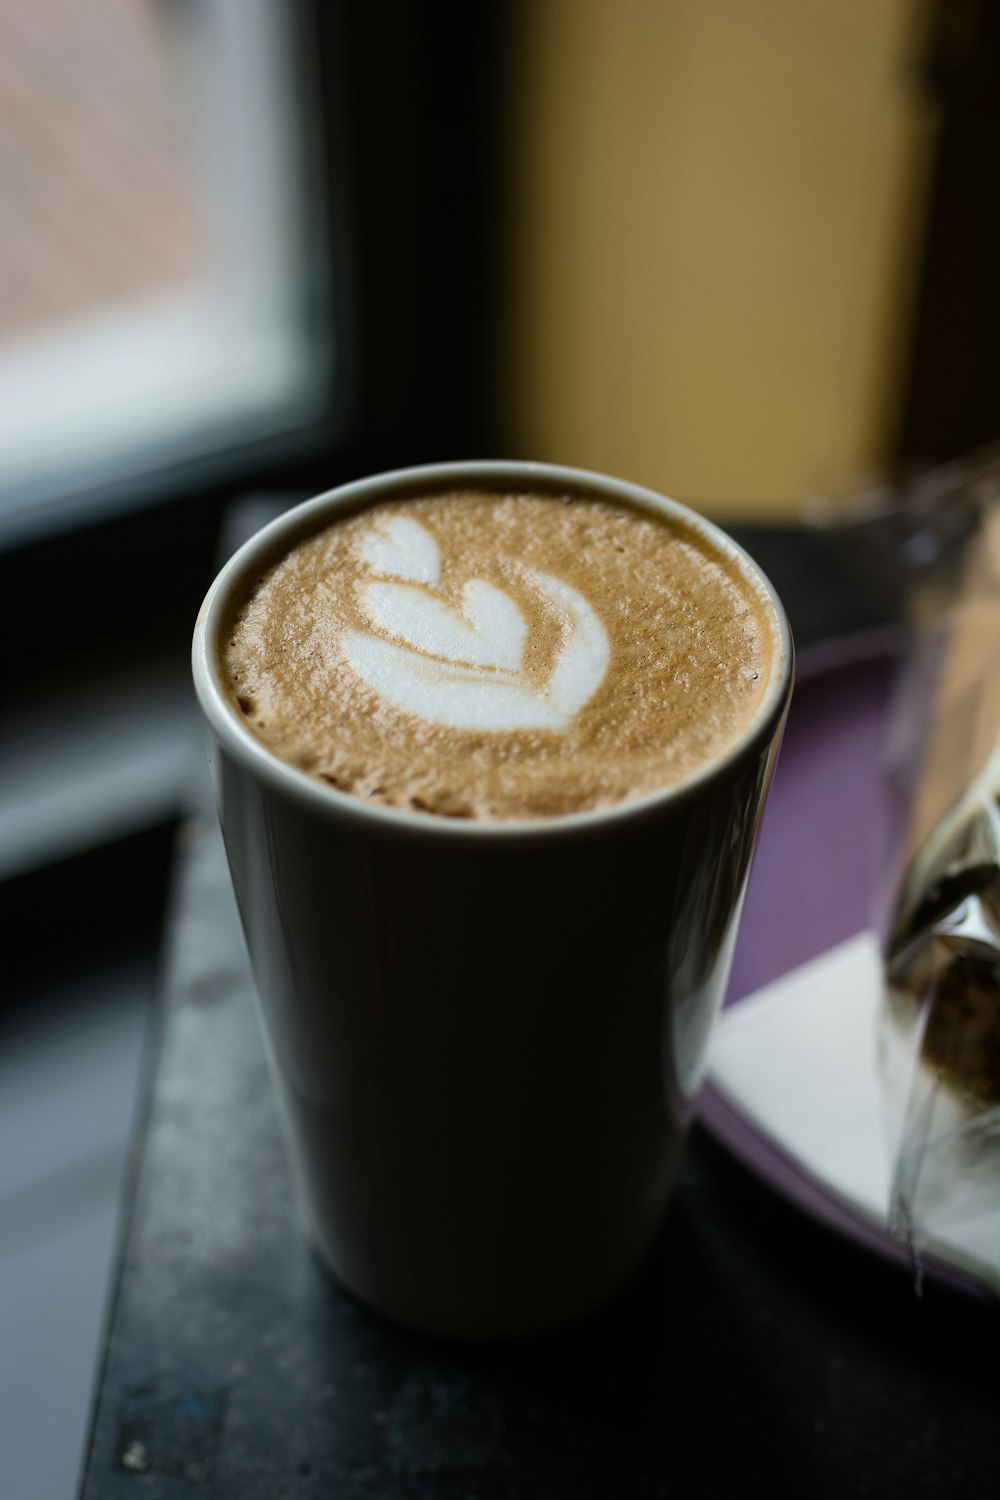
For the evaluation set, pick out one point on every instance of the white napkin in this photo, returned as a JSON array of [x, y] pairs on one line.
[[797, 1061]]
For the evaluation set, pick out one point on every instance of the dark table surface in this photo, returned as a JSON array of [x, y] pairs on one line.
[[755, 1351]]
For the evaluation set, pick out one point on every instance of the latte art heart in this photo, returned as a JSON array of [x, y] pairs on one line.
[[490, 654], [464, 668]]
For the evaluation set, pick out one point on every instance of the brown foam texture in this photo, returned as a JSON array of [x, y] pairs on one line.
[[692, 651]]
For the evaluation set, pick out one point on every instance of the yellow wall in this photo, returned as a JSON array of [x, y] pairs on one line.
[[714, 206]]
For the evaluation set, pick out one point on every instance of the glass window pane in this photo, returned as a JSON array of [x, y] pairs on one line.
[[100, 192], [152, 241]]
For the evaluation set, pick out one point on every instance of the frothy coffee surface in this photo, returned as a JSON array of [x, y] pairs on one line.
[[486, 654]]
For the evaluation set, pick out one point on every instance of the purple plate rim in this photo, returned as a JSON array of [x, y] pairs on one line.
[[757, 1149]]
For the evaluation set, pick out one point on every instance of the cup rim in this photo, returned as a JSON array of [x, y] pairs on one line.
[[301, 520]]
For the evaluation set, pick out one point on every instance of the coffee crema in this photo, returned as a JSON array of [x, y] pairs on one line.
[[492, 654]]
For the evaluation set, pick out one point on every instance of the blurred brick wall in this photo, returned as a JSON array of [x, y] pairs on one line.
[[99, 190]]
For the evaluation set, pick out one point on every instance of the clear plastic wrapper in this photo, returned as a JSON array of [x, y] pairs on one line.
[[940, 1032]]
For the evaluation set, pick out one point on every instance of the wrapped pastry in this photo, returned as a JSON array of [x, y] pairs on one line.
[[940, 1037]]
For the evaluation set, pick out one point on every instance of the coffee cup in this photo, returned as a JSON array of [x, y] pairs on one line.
[[487, 1018]]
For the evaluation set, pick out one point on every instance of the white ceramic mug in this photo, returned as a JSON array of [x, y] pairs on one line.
[[487, 1038]]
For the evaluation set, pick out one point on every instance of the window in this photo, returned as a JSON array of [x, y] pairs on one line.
[[158, 270]]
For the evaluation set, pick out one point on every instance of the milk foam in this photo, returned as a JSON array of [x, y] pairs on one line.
[[491, 654], [464, 668]]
